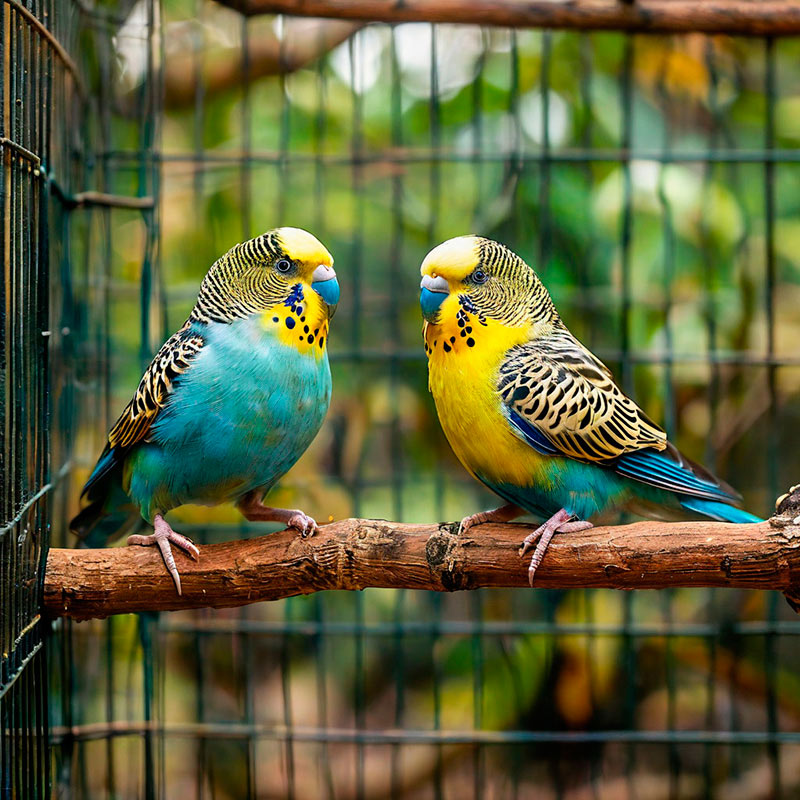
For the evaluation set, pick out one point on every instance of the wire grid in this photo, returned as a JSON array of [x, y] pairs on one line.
[[41, 95], [667, 249], [52, 129], [95, 202]]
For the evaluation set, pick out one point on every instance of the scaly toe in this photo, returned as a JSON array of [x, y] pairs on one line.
[[185, 543], [162, 536], [307, 526], [470, 522], [529, 542], [531, 574]]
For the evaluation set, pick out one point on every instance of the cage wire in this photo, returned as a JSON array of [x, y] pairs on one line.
[[42, 96], [56, 195], [652, 181], [23, 366]]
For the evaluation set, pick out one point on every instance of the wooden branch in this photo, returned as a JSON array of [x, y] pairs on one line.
[[304, 43], [740, 17], [356, 554]]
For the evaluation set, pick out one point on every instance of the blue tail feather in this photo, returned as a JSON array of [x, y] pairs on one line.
[[108, 461], [719, 511]]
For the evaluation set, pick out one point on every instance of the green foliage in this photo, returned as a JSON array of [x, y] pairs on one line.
[[643, 206]]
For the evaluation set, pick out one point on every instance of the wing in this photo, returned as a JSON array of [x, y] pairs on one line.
[[563, 401], [570, 401], [157, 383]]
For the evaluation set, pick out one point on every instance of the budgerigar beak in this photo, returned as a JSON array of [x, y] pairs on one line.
[[433, 292], [324, 283]]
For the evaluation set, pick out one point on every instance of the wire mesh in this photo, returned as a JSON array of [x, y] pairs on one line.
[[39, 90], [56, 192], [650, 180]]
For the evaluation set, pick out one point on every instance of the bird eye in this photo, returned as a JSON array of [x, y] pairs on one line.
[[479, 276], [283, 265]]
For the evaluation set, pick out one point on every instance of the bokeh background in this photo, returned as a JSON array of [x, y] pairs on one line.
[[654, 183]]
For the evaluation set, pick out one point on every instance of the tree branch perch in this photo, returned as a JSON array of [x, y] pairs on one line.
[[356, 554], [740, 17]]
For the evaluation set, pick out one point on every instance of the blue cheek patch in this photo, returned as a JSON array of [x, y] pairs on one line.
[[430, 301], [327, 290]]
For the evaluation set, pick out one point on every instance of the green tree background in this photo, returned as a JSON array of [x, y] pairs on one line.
[[631, 172]]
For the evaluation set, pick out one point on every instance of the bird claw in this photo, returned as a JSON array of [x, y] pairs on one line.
[[300, 521], [560, 522], [162, 535], [255, 511], [530, 541], [471, 521], [502, 514]]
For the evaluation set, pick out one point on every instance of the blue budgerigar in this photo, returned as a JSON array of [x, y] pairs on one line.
[[229, 403], [531, 413]]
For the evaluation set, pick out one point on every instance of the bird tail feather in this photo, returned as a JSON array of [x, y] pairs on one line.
[[718, 511], [109, 515]]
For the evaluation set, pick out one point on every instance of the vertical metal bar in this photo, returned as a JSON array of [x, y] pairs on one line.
[[668, 269], [545, 163], [396, 440], [245, 182], [285, 130], [476, 604], [395, 783], [479, 765], [520, 227], [626, 100], [40, 688], [320, 640], [103, 343], [713, 392], [584, 271], [244, 638], [438, 680], [200, 643], [286, 692], [6, 577], [356, 149], [667, 276], [710, 268], [439, 482], [771, 644], [435, 200], [149, 277], [285, 182], [626, 229]]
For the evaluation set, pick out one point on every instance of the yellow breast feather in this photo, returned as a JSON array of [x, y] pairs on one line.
[[464, 357]]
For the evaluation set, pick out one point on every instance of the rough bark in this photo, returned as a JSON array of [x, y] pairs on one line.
[[742, 17], [356, 554]]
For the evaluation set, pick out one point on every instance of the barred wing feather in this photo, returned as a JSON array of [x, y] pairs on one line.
[[157, 383], [563, 401]]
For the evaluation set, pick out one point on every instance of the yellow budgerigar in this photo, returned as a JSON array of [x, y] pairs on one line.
[[531, 413]]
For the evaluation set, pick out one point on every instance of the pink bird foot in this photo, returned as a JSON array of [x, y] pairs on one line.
[[255, 511], [503, 514], [162, 535], [560, 522]]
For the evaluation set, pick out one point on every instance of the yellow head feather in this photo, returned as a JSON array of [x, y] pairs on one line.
[[303, 247], [453, 259]]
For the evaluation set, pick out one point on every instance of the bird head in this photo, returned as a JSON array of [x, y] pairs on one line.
[[265, 272], [485, 278]]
